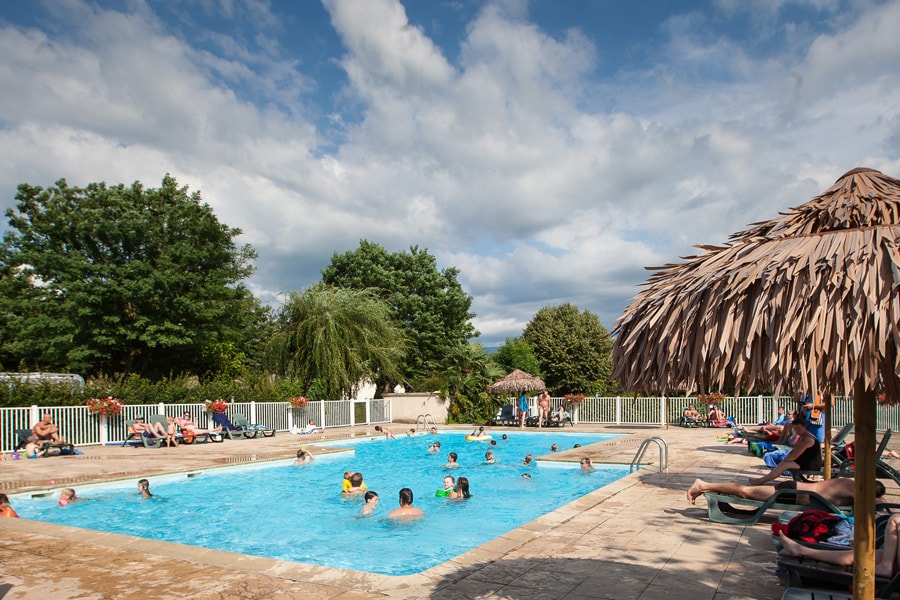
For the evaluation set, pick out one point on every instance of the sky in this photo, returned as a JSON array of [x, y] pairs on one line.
[[550, 150]]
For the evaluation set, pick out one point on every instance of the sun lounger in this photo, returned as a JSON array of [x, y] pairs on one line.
[[801, 571], [725, 508], [796, 593], [230, 430], [136, 440], [261, 431], [507, 415], [44, 447]]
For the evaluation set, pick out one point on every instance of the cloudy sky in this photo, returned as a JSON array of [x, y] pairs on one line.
[[549, 149]]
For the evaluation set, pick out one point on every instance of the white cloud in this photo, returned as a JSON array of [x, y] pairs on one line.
[[542, 184]]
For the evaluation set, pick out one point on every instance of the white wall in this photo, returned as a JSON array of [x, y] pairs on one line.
[[405, 408]]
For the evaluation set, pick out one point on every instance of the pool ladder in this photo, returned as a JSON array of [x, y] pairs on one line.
[[424, 419], [663, 453]]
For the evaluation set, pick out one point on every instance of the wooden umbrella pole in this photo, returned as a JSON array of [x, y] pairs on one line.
[[827, 467], [864, 500]]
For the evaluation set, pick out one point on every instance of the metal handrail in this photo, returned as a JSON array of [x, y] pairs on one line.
[[663, 453], [425, 422]]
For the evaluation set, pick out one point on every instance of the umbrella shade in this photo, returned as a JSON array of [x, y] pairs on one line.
[[517, 381], [809, 300]]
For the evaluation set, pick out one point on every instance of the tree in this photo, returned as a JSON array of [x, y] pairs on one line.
[[119, 279], [516, 353], [428, 305], [331, 339], [573, 348]]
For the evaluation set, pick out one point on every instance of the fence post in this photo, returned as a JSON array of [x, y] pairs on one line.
[[352, 413], [761, 411], [104, 430], [322, 413], [290, 419], [253, 411], [161, 407], [618, 410], [663, 412], [35, 416]]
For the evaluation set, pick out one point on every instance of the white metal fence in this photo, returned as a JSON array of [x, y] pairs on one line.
[[627, 410], [79, 426], [82, 428]]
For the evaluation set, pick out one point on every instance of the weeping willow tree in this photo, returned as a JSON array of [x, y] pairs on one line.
[[330, 339]]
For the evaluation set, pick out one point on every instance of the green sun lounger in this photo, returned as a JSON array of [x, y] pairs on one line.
[[725, 508]]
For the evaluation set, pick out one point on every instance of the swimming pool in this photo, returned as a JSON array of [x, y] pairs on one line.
[[293, 513]]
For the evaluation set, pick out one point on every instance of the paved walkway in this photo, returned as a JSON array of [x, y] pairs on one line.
[[637, 539]]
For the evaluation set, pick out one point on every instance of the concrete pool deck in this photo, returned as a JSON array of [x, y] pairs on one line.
[[638, 538]]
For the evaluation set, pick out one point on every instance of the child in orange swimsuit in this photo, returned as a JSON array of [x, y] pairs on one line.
[[5, 509]]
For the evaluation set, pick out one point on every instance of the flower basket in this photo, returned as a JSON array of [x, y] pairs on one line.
[[108, 406], [714, 398], [219, 407], [298, 401], [573, 399]]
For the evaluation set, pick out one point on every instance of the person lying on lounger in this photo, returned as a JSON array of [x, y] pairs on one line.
[[839, 491], [188, 425], [152, 429], [887, 558]]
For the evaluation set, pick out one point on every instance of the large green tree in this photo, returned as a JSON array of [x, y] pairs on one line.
[[330, 339], [516, 353], [573, 348], [429, 305], [112, 279]]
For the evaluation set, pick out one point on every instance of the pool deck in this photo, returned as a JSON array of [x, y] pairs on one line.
[[636, 539]]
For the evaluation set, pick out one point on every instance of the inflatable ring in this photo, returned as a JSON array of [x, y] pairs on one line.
[[484, 438]]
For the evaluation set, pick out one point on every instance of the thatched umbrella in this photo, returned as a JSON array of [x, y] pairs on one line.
[[807, 301], [518, 381]]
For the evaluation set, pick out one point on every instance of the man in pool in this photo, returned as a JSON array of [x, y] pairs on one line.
[[451, 461], [489, 457], [586, 464], [435, 448], [406, 510]]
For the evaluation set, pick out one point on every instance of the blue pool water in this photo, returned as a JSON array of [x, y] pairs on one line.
[[297, 513]]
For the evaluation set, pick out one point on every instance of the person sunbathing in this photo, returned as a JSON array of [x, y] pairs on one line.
[[46, 431], [188, 425], [152, 429], [887, 558], [839, 491], [691, 414]]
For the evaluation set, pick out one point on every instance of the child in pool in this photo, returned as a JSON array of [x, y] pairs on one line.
[[448, 487], [371, 503], [66, 497]]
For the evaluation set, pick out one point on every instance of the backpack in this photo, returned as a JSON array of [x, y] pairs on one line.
[[813, 526]]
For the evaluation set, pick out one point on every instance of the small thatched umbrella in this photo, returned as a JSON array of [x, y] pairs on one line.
[[517, 381], [807, 301]]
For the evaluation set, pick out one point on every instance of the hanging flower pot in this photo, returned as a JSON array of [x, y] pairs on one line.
[[219, 407], [108, 406], [298, 401]]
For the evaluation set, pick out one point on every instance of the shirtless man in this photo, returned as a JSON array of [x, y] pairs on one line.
[[839, 491], [543, 403], [46, 431], [388, 434], [406, 510]]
